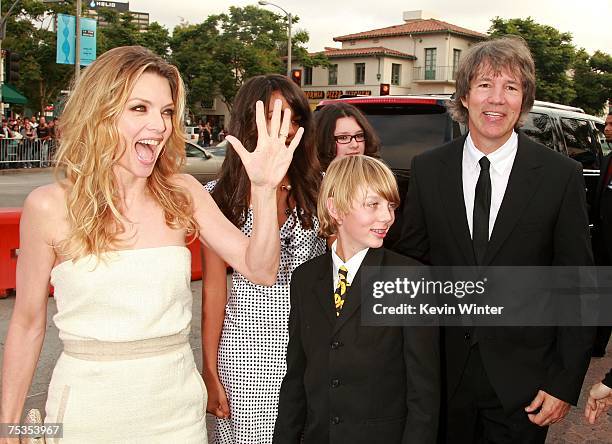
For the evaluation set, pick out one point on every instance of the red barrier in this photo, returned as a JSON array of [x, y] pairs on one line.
[[196, 260], [9, 244]]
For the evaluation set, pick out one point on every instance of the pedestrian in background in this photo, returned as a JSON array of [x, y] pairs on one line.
[[602, 217], [43, 137], [600, 399]]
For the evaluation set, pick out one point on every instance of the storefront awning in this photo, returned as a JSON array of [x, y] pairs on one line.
[[11, 95]]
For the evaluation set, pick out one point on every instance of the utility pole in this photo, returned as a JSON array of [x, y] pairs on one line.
[[77, 46], [2, 35]]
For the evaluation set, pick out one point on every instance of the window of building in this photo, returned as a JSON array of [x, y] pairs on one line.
[[396, 73], [430, 63], [456, 57], [208, 103], [332, 75], [359, 73], [352, 43], [307, 75]]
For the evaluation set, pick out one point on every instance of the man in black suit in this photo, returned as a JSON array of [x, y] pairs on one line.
[[602, 215], [496, 198], [346, 382]]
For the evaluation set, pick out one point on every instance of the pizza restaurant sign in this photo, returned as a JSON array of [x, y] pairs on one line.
[[335, 94]]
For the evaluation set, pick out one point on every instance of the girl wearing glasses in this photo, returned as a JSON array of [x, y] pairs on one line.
[[342, 130]]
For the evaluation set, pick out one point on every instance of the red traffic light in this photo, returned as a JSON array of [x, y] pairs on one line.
[[385, 89], [296, 76]]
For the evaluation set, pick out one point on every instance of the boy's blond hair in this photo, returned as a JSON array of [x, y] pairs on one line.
[[347, 176]]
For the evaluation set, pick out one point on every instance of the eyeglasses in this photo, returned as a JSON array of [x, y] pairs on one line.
[[343, 139]]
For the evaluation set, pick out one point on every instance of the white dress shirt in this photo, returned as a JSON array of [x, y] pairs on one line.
[[352, 265], [501, 160]]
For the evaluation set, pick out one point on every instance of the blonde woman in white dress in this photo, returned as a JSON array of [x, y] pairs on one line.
[[111, 239]]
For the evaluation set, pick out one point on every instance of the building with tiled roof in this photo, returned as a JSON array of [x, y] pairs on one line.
[[418, 56]]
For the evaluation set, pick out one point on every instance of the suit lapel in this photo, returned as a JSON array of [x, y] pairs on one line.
[[352, 301], [323, 288], [523, 183], [451, 191]]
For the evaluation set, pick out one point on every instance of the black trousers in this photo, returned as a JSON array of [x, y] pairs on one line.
[[475, 413], [601, 341]]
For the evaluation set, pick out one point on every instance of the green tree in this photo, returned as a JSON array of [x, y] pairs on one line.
[[121, 31], [592, 81], [156, 38], [29, 33], [218, 55], [553, 54]]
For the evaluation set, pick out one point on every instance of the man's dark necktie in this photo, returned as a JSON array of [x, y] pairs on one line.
[[482, 207]]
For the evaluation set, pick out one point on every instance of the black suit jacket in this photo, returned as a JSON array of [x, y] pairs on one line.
[[542, 221], [347, 383], [602, 217]]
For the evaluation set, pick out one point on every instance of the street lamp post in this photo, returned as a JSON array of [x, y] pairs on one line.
[[288, 14]]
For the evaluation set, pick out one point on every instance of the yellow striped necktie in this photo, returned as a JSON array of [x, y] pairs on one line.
[[340, 292]]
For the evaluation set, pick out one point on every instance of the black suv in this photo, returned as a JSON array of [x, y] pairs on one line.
[[409, 125]]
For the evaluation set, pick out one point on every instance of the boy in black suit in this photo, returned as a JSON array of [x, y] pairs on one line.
[[347, 383]]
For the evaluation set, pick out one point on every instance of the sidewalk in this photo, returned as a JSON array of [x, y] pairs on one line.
[[573, 430], [25, 170]]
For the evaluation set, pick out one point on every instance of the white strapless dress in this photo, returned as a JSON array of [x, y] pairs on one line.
[[127, 373]]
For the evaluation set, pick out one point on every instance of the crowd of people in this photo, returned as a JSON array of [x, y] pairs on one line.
[[27, 142], [300, 207], [32, 128], [210, 134]]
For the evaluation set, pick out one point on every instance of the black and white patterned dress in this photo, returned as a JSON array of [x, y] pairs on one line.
[[251, 358]]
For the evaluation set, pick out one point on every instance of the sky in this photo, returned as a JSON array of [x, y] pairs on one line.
[[589, 21]]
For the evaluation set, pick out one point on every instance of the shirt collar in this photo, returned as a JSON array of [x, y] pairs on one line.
[[352, 265], [499, 158]]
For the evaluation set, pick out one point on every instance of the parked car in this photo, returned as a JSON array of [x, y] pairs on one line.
[[192, 133], [200, 163], [219, 149], [409, 125]]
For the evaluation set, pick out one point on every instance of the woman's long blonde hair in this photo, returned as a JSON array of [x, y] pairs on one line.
[[90, 146]]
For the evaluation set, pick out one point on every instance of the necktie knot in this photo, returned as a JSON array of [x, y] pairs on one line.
[[485, 163], [342, 273]]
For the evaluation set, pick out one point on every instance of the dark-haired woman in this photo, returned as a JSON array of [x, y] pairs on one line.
[[244, 332], [342, 130]]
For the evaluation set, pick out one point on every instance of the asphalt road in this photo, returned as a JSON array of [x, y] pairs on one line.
[[15, 185]]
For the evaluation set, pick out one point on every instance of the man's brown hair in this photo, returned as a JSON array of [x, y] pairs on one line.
[[509, 54]]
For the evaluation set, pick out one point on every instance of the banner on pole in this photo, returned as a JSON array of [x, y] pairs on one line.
[[66, 28], [88, 41], [66, 25]]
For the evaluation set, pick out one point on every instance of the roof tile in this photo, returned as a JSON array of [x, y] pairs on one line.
[[418, 26], [355, 52]]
